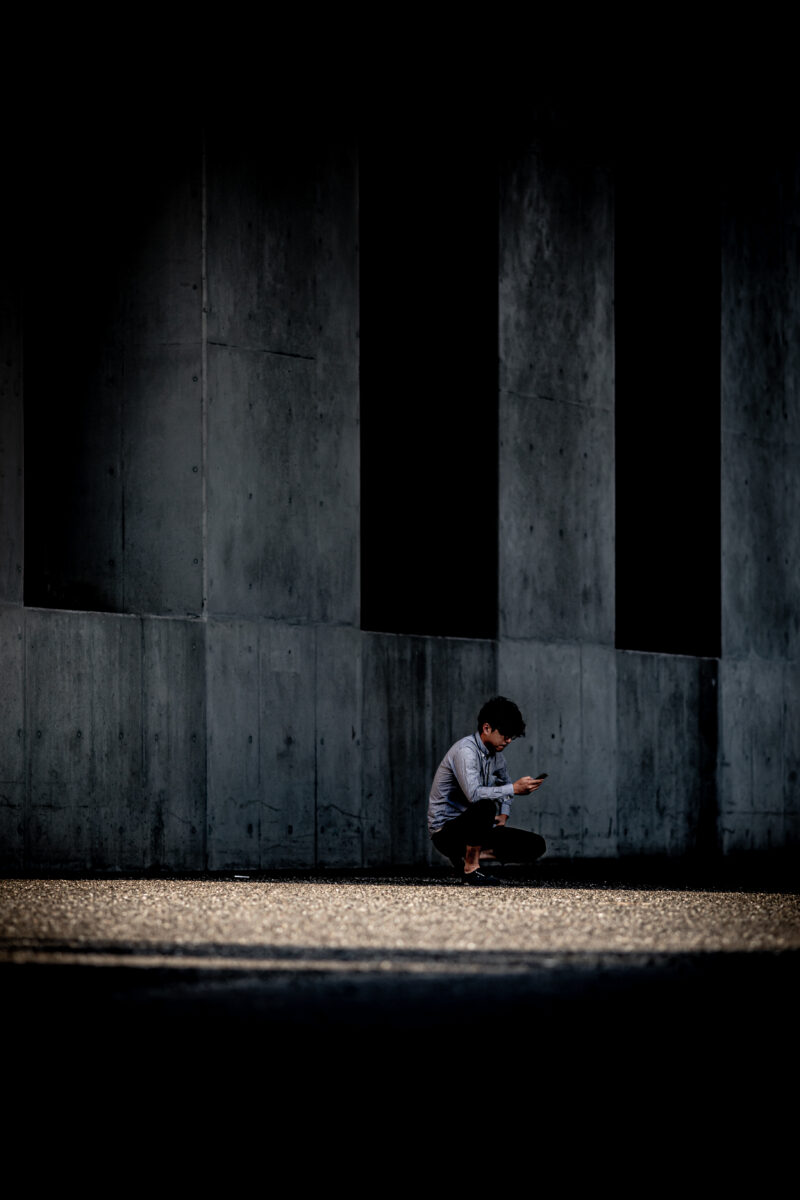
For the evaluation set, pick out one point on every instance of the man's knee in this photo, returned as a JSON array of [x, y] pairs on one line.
[[540, 845], [517, 845]]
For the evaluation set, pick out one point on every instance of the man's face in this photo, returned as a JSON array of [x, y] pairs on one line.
[[493, 739]]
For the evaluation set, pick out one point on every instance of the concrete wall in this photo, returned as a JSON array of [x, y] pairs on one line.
[[11, 435], [760, 667], [556, 398], [556, 547], [234, 715]]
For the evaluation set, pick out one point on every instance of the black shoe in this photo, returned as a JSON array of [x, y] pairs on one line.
[[479, 879]]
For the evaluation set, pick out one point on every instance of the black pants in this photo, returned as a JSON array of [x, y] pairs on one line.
[[476, 827]]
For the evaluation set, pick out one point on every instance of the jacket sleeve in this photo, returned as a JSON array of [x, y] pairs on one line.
[[467, 769], [503, 775]]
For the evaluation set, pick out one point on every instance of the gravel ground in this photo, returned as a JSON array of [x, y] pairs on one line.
[[562, 988], [374, 1013], [396, 925]]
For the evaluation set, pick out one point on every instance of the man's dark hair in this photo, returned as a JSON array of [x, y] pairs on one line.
[[502, 714]]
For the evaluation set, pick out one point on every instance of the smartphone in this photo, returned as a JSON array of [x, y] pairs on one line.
[[542, 776]]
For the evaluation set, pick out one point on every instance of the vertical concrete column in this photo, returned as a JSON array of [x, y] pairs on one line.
[[12, 760], [12, 657], [283, 500], [556, 503], [11, 432], [282, 438], [760, 678]]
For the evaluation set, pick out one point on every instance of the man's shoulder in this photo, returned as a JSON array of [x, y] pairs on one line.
[[464, 744]]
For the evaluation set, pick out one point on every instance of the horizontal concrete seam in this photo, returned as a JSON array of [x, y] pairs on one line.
[[293, 622], [263, 350], [428, 637], [566, 642], [758, 660], [588, 407], [193, 618], [663, 654]]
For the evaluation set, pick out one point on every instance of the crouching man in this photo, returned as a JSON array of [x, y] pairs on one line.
[[471, 798]]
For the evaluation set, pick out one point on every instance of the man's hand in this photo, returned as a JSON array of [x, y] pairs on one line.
[[524, 786], [501, 818]]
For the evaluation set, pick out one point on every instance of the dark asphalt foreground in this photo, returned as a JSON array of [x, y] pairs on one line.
[[237, 979]]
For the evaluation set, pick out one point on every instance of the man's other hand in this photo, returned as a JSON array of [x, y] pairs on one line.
[[522, 787]]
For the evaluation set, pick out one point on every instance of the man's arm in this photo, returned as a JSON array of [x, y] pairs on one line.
[[467, 770], [522, 787]]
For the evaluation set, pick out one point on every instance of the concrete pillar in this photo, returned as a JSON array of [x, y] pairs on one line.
[[11, 434], [556, 529], [12, 743], [284, 699], [760, 677]]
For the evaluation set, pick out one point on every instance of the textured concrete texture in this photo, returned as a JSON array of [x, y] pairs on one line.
[[234, 714], [666, 754], [283, 393], [342, 781], [103, 750], [760, 416], [758, 767], [11, 441], [556, 382], [567, 694], [759, 755], [419, 697]]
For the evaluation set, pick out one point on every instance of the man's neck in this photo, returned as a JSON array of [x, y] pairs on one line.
[[488, 748]]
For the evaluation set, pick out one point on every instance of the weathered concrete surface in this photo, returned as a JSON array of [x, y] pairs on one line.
[[13, 769], [420, 695], [173, 745], [666, 754], [761, 547], [11, 441], [556, 544], [261, 744], [760, 415], [759, 754], [567, 694], [284, 745], [114, 741], [758, 766], [337, 710], [283, 527], [283, 385], [319, 741]]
